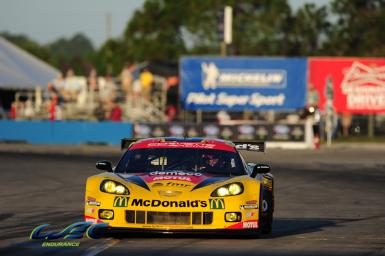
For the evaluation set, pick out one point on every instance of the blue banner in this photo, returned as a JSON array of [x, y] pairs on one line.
[[243, 83]]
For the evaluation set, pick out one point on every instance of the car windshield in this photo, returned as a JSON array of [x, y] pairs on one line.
[[189, 159]]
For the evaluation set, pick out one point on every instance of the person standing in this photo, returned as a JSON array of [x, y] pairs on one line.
[[146, 80], [116, 112], [127, 79]]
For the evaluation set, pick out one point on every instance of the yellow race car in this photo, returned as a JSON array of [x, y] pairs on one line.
[[183, 185]]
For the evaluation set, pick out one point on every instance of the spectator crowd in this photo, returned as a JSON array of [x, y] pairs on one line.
[[101, 97]]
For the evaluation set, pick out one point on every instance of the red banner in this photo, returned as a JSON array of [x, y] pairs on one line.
[[358, 84]]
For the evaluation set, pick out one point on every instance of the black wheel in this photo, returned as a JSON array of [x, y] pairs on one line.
[[266, 209]]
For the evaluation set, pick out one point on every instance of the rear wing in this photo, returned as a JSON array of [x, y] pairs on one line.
[[256, 146], [126, 142]]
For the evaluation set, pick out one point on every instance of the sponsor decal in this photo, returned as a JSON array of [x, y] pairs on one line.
[[250, 224], [171, 144], [158, 132], [268, 183], [171, 178], [211, 130], [213, 77], [160, 203], [249, 206], [192, 132], [246, 146], [157, 184], [177, 130], [259, 147], [281, 132], [226, 133], [246, 132], [249, 214], [180, 173], [244, 225], [239, 83], [170, 184], [364, 87], [92, 201], [121, 201], [217, 203], [91, 219], [60, 244], [73, 231], [348, 85], [193, 177], [252, 202], [142, 130], [255, 100], [90, 210], [262, 132], [169, 193], [297, 132]]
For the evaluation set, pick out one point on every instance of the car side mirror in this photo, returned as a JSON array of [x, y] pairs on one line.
[[260, 168], [104, 165]]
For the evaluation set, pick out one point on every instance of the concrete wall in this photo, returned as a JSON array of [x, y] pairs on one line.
[[64, 132]]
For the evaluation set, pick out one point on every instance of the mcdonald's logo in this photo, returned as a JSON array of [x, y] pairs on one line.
[[121, 201], [217, 203]]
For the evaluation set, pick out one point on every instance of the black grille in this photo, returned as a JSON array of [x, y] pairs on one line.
[[140, 217], [196, 218], [169, 218], [176, 218], [130, 216], [207, 218]]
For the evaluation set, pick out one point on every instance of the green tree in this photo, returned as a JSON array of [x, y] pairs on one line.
[[111, 57], [155, 32], [358, 30], [76, 53], [166, 29], [78, 45], [306, 31]]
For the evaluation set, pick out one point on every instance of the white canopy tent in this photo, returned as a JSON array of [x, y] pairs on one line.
[[21, 70]]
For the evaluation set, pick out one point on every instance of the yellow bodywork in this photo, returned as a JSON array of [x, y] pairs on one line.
[[176, 197]]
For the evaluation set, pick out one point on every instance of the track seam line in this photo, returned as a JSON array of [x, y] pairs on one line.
[[95, 250]]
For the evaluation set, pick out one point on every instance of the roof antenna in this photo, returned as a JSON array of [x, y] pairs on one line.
[[184, 124]]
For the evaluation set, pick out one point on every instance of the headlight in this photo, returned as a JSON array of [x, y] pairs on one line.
[[231, 189], [113, 187]]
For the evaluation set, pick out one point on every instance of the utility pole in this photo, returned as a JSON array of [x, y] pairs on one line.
[[227, 29], [108, 25]]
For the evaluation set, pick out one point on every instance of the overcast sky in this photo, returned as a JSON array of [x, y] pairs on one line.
[[47, 20]]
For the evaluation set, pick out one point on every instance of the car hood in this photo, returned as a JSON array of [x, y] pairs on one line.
[[173, 180]]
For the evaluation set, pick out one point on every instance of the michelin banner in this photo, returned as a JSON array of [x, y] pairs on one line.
[[236, 83]]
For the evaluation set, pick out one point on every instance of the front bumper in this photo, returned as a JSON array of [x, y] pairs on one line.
[[183, 216], [117, 231]]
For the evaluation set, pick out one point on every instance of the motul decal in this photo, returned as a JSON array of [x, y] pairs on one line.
[[192, 177], [251, 224], [91, 219]]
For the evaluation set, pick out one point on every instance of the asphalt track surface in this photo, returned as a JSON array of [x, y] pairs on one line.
[[328, 202]]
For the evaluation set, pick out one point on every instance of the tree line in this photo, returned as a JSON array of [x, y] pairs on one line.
[[167, 29]]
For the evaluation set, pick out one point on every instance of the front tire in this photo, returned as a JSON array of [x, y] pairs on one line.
[[266, 209]]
